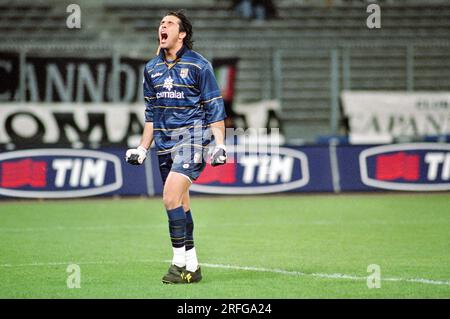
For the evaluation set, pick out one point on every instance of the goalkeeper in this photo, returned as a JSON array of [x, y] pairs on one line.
[[184, 113]]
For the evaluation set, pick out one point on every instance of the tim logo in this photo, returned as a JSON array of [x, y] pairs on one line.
[[409, 167], [248, 172], [58, 173]]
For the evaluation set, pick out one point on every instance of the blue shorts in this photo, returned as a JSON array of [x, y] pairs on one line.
[[190, 165]]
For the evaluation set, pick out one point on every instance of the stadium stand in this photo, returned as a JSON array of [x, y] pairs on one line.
[[288, 58]]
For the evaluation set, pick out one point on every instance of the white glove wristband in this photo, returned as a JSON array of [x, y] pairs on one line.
[[142, 149]]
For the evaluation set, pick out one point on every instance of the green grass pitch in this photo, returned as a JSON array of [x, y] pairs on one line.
[[296, 246]]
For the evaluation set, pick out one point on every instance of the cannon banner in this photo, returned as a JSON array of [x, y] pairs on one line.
[[68, 124]]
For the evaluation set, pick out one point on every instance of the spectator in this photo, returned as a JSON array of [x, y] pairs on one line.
[[263, 9], [243, 8], [255, 9]]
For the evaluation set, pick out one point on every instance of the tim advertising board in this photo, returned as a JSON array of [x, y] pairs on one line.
[[409, 167], [251, 172], [66, 173]]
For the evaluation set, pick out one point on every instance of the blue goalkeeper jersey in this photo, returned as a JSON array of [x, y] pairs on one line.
[[182, 99]]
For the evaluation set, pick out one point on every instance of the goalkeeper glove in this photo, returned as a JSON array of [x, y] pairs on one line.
[[219, 155], [136, 156]]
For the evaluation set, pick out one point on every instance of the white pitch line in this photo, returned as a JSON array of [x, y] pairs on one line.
[[320, 275], [233, 267]]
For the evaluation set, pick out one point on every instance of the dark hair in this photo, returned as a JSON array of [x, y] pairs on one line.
[[185, 26]]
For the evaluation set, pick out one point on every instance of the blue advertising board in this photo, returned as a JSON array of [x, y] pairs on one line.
[[402, 167], [287, 169], [71, 173], [68, 173]]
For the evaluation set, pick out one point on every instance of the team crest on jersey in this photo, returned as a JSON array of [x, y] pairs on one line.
[[184, 73], [168, 83]]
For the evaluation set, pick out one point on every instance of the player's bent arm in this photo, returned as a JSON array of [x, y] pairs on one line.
[[147, 135], [219, 155], [218, 130], [136, 156]]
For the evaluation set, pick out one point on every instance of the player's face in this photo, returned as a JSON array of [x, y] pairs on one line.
[[169, 33]]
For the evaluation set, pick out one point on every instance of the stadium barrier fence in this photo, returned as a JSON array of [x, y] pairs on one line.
[[73, 173]]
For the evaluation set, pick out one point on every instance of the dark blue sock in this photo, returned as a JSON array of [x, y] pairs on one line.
[[189, 231], [177, 226]]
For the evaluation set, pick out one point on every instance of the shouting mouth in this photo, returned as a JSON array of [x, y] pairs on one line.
[[164, 36]]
